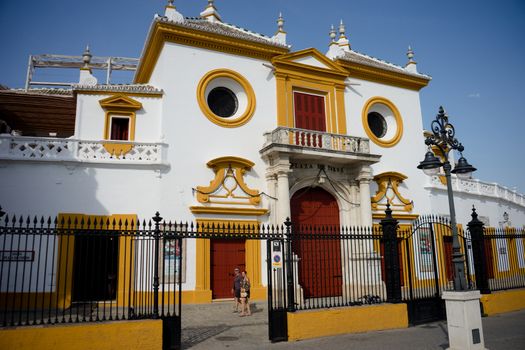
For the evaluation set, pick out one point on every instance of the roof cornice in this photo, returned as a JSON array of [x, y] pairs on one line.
[[365, 72], [172, 32]]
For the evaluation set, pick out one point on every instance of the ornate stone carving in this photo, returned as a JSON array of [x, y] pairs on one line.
[[388, 193]]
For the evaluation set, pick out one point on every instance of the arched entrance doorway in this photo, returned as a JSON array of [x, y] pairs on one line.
[[315, 214]]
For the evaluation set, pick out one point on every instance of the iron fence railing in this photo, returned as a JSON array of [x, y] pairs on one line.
[[504, 258], [336, 266], [69, 270]]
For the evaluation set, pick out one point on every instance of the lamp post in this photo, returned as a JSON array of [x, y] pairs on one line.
[[443, 137]]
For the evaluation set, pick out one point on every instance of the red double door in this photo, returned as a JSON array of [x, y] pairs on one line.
[[315, 211], [226, 255], [309, 113]]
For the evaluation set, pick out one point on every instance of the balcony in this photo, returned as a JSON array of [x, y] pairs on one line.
[[50, 149], [318, 145]]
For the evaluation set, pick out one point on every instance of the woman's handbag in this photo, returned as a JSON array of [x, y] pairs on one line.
[[244, 294]]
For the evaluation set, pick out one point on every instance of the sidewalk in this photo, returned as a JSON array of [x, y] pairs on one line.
[[215, 326]]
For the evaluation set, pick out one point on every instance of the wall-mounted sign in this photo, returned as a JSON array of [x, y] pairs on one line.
[[277, 259], [17, 255]]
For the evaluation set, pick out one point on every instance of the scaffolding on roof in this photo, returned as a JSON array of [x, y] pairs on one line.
[[63, 61]]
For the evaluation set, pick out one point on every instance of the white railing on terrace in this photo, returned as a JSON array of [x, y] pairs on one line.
[[477, 187], [317, 140], [72, 150]]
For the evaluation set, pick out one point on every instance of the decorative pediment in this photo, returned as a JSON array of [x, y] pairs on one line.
[[120, 102], [229, 186], [310, 60], [388, 193]]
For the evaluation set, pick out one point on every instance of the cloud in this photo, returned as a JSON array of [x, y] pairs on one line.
[[474, 95]]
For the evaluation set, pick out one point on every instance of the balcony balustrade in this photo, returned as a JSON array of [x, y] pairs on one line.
[[50, 149]]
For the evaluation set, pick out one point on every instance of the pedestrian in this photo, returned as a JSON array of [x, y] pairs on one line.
[[245, 295], [236, 289]]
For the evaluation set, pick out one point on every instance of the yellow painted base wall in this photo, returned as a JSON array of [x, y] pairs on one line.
[[322, 323], [503, 301], [144, 335]]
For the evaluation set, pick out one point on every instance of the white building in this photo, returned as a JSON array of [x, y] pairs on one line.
[[222, 124]]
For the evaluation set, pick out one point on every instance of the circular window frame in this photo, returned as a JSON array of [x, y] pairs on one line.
[[394, 140], [202, 98]]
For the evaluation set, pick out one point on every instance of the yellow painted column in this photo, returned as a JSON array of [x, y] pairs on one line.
[[282, 110], [202, 278], [341, 111], [253, 268]]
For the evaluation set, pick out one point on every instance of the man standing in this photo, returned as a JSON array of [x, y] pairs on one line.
[[236, 289]]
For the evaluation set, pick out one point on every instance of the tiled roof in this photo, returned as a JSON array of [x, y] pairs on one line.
[[125, 88], [225, 29], [42, 91], [360, 58]]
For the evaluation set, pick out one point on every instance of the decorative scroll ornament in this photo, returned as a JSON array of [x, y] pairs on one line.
[[228, 186], [388, 193]]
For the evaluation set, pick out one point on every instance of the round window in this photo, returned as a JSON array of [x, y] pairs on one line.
[[223, 102], [382, 122], [377, 124], [226, 98]]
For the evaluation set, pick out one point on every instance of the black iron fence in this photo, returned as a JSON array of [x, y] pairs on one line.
[[504, 258], [69, 270], [336, 266], [87, 269]]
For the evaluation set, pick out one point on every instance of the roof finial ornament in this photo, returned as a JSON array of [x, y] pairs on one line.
[[411, 65], [86, 57], [332, 35], [210, 13], [343, 41], [280, 36], [86, 78], [172, 14], [342, 29], [280, 23]]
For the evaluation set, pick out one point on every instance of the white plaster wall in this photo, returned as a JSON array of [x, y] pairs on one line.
[[408, 152], [91, 118], [194, 140], [41, 188]]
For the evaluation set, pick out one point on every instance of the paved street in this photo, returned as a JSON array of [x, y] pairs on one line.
[[215, 326]]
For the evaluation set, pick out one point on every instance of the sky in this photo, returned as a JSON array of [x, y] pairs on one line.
[[473, 49]]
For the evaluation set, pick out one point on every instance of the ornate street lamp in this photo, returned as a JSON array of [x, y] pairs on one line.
[[443, 137]]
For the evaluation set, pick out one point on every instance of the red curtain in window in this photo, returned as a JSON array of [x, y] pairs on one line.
[[119, 129]]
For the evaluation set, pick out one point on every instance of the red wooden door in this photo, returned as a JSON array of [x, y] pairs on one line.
[[449, 265], [309, 114], [225, 255], [320, 273]]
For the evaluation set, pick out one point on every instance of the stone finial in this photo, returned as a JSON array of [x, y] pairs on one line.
[[172, 14], [343, 41], [332, 35], [86, 57], [280, 36], [210, 13], [86, 78], [411, 64], [334, 50], [280, 23]]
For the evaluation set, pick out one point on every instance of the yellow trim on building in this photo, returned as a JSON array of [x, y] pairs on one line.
[[203, 103], [87, 336], [173, 33], [503, 301], [378, 75], [329, 82], [66, 250], [203, 262], [397, 116], [119, 105], [322, 323], [390, 180]]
